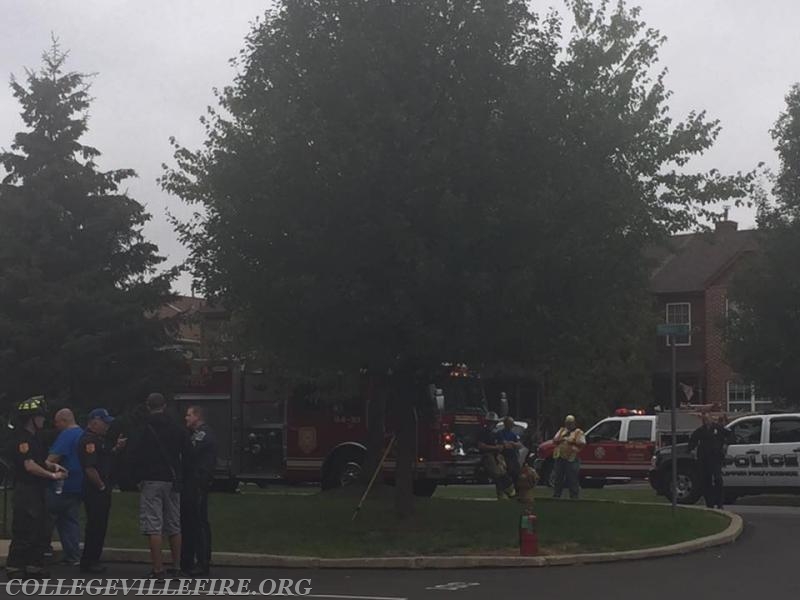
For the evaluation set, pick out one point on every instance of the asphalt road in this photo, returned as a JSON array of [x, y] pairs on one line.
[[762, 564]]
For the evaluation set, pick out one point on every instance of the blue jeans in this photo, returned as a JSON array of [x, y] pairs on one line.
[[65, 510], [569, 471]]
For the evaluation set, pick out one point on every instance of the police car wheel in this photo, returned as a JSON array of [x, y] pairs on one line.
[[688, 486]]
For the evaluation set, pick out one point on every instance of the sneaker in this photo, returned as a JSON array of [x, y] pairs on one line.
[[94, 569], [35, 573], [157, 575], [199, 572], [69, 562], [15, 574]]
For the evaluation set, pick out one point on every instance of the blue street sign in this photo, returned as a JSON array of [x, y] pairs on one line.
[[673, 330]]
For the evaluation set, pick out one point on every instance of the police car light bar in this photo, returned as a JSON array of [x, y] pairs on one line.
[[627, 412]]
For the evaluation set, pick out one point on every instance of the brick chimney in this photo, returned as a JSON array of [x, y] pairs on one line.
[[725, 226]]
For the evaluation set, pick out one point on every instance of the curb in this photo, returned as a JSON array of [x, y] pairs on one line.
[[240, 559]]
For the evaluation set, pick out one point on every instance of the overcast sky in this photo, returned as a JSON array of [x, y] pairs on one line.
[[158, 60]]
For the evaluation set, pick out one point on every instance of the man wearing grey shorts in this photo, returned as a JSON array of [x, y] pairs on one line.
[[157, 455]]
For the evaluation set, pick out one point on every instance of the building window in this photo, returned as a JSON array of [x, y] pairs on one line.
[[731, 309], [742, 397], [680, 313]]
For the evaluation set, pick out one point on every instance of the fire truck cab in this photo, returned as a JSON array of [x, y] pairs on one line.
[[272, 427]]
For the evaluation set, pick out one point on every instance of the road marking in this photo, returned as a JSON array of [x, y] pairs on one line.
[[354, 597], [157, 591], [453, 586]]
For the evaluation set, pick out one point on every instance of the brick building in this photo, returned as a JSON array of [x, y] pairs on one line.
[[201, 329], [690, 284]]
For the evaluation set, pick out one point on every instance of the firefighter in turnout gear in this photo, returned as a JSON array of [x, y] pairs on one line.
[[493, 462], [32, 471]]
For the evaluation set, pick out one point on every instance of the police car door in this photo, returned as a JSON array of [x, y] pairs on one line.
[[744, 461], [783, 452]]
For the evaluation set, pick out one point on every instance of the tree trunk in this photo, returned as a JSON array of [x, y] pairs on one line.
[[376, 422], [406, 456]]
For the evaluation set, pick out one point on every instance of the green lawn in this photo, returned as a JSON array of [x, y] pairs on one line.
[[301, 521], [320, 525]]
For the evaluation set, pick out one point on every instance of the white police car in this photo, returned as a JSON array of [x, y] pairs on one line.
[[763, 458]]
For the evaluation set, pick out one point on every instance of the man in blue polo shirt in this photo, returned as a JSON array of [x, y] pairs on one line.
[[64, 504]]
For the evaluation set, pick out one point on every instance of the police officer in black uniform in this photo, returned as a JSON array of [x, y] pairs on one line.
[[29, 527], [711, 440], [95, 455], [199, 475]]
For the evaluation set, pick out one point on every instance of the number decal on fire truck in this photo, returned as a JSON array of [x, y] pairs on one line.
[[307, 439]]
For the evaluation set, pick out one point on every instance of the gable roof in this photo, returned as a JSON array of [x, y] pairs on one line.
[[691, 262]]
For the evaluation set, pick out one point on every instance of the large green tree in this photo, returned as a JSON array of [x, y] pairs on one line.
[[406, 181], [763, 332], [76, 275]]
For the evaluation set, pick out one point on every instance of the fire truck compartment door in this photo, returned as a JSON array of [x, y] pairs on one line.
[[604, 453]]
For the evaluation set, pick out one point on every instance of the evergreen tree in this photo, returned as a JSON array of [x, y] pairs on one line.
[[76, 275]]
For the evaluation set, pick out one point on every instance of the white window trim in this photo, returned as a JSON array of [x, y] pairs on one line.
[[754, 401], [666, 320]]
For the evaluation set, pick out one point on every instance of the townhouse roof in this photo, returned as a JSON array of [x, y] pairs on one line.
[[692, 262]]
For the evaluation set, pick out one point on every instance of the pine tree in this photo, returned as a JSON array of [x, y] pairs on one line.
[[77, 277]]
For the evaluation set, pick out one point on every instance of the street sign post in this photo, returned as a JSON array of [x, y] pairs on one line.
[[671, 332]]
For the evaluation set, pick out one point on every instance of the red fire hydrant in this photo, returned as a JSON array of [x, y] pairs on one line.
[[528, 536]]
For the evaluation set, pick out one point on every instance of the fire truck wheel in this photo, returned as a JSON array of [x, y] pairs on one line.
[[424, 488], [344, 469]]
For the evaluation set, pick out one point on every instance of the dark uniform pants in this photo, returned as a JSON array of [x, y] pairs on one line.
[[98, 505], [195, 529], [29, 527], [711, 472]]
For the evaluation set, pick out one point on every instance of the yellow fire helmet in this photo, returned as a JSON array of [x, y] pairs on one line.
[[33, 406]]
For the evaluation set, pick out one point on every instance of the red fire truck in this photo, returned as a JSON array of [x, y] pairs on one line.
[[275, 428]]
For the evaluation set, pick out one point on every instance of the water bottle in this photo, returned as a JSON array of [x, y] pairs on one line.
[[59, 486]]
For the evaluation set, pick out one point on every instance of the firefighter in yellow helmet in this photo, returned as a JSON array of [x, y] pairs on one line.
[[569, 441], [32, 471]]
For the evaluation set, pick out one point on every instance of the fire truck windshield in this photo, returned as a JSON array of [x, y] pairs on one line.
[[463, 394]]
